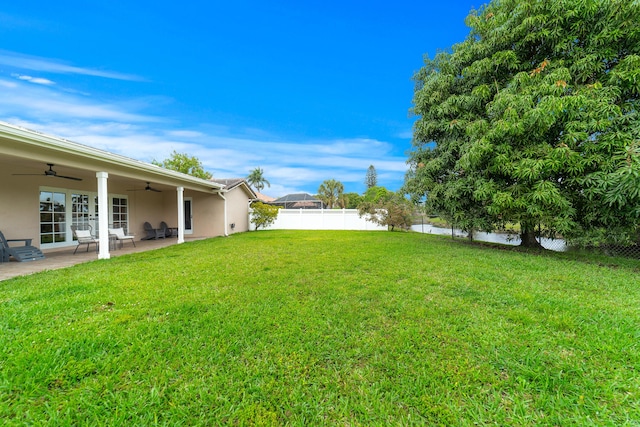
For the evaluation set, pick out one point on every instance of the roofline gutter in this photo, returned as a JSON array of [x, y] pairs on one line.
[[226, 234]]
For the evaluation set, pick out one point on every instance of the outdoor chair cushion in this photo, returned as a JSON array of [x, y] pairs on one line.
[[84, 237], [121, 236]]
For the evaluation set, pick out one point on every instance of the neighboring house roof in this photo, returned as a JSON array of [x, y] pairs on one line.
[[264, 198], [298, 200], [297, 197], [231, 183]]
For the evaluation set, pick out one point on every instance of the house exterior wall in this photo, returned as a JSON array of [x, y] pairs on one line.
[[151, 207], [20, 204], [20, 199], [237, 210], [19, 209], [208, 211]]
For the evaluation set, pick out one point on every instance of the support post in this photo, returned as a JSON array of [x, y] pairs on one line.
[[103, 215], [226, 233], [180, 214]]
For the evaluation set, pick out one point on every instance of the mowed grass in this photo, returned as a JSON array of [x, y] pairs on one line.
[[323, 328]]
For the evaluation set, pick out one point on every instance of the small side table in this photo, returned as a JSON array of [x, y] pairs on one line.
[[113, 242]]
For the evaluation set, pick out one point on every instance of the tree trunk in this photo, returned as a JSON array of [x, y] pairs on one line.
[[528, 239]]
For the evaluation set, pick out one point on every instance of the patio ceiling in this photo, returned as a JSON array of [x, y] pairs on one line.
[[29, 152]]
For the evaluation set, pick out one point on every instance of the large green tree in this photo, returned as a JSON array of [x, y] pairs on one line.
[[352, 200], [534, 119], [184, 163], [331, 192], [257, 179]]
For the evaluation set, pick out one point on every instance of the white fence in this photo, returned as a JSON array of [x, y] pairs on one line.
[[322, 219]]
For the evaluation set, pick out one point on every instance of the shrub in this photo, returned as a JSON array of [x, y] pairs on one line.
[[263, 215]]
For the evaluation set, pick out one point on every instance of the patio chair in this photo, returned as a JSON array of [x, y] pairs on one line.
[[153, 233], [120, 236], [84, 237], [168, 231], [19, 253]]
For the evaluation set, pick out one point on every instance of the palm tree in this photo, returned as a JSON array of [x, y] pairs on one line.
[[331, 193], [257, 179]]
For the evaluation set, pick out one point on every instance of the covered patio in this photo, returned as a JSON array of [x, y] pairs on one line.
[[50, 185]]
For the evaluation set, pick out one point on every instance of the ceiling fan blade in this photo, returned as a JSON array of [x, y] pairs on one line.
[[147, 188], [68, 177], [49, 172]]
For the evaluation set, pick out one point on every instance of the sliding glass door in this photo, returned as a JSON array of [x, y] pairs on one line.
[[53, 217], [60, 209]]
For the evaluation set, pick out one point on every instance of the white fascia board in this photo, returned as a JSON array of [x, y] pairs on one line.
[[249, 191]]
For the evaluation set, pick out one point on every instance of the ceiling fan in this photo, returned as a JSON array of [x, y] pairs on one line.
[[147, 188], [50, 172]]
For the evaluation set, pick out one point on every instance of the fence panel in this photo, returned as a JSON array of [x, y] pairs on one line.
[[322, 219]]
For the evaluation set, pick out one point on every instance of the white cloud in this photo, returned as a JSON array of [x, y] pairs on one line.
[[35, 63], [185, 133], [37, 80], [289, 167], [38, 101], [124, 127]]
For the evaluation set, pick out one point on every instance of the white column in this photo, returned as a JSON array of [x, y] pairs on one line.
[[226, 222], [180, 214], [103, 215]]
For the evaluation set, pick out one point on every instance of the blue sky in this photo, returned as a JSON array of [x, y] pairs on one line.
[[306, 90]]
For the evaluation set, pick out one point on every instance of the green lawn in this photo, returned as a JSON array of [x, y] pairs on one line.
[[323, 328]]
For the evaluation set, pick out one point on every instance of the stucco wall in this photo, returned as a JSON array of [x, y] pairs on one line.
[[19, 209], [152, 207], [237, 210], [207, 214], [143, 206]]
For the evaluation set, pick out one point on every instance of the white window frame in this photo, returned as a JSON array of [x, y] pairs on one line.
[[69, 212]]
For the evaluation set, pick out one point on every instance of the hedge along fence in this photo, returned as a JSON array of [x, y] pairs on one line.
[[322, 219]]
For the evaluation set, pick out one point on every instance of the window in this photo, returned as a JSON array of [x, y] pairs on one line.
[[53, 217], [80, 213], [120, 212]]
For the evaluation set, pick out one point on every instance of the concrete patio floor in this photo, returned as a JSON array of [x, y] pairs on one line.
[[61, 258]]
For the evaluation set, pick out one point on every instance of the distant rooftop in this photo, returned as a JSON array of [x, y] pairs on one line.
[[297, 197], [264, 197], [231, 183], [228, 182], [299, 201]]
